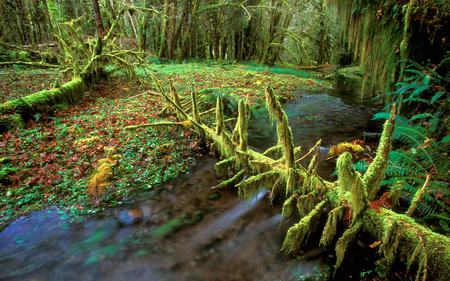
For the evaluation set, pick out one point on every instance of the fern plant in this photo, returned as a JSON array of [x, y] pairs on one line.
[[420, 134]]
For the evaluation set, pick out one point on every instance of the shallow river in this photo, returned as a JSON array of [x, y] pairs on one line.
[[184, 230]]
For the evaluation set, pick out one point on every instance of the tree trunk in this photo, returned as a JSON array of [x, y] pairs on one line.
[[99, 27]]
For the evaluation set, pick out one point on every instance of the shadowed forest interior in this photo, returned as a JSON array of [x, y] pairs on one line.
[[224, 140]]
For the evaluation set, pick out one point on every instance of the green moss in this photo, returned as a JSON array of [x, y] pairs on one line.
[[401, 236], [375, 171], [176, 99], [243, 125], [285, 138], [350, 181], [391, 239], [289, 206], [40, 101], [298, 234], [344, 167], [330, 228], [225, 166], [349, 78], [195, 111], [344, 241], [305, 203], [249, 187], [274, 151], [11, 121], [236, 178]]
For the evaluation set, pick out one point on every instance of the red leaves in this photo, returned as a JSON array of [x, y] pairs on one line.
[[383, 202], [46, 176], [48, 157]]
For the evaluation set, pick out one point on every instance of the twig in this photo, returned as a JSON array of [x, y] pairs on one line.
[[418, 197]]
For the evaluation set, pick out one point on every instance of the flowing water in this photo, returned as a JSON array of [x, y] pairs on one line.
[[184, 230]]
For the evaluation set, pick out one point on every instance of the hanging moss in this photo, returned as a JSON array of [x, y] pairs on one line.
[[344, 241], [225, 166], [402, 235], [350, 181], [289, 206], [305, 203], [380, 33], [243, 125], [298, 234], [330, 228], [176, 99], [236, 178], [222, 143], [391, 239], [399, 233], [249, 187], [404, 45], [274, 151], [291, 183], [358, 200]]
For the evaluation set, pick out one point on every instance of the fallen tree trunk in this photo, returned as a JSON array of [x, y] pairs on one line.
[[14, 112], [303, 192], [29, 63]]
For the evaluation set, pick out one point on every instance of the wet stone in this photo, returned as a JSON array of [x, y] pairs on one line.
[[130, 216]]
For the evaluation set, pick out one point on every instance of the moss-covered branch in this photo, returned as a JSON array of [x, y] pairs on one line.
[[311, 197]]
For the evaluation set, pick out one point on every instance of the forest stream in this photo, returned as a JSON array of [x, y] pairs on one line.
[[184, 230]]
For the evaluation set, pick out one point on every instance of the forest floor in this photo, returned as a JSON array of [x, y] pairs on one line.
[[53, 160]]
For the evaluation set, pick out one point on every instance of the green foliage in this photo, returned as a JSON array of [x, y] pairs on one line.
[[281, 70], [424, 147]]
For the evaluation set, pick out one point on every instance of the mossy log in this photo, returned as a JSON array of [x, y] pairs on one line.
[[39, 64], [312, 198], [407, 242], [42, 101]]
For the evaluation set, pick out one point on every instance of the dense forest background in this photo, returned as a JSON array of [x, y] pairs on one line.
[[380, 36], [191, 29]]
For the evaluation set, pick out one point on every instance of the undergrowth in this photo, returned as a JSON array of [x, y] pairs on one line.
[[422, 141]]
